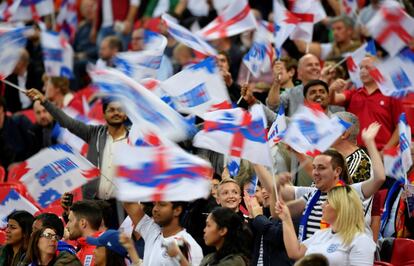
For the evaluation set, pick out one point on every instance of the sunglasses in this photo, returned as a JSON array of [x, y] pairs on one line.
[[50, 236]]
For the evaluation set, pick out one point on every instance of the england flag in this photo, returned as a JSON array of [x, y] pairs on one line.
[[57, 55], [54, 170], [235, 19], [10, 201], [198, 89]]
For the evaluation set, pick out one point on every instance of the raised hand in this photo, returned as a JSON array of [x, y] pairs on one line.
[[369, 133], [282, 211]]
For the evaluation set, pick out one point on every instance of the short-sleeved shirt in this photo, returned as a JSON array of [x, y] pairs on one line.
[[374, 107], [155, 254], [359, 166], [314, 220], [360, 252]]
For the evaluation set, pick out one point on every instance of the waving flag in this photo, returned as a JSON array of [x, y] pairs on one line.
[[53, 171], [393, 163], [252, 186], [405, 143], [143, 64], [308, 12], [311, 131], [235, 19], [57, 55], [198, 89], [355, 58], [278, 128], [259, 58], [12, 40], [233, 165], [8, 9], [144, 109], [10, 201], [30, 9], [236, 132], [350, 7], [67, 20], [392, 27], [160, 173], [285, 22], [395, 75], [185, 36]]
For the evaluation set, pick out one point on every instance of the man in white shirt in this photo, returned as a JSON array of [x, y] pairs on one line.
[[160, 230]]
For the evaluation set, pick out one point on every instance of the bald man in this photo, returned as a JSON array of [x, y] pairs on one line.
[[309, 68]]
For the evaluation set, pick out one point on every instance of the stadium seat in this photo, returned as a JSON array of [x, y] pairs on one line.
[[403, 252], [2, 237], [2, 174]]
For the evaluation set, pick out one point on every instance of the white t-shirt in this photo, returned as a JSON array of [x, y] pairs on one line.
[[155, 254], [360, 252]]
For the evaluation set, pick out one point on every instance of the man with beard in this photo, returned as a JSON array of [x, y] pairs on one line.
[[43, 127], [85, 218], [162, 230], [103, 140]]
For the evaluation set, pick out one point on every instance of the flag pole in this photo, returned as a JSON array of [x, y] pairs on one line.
[[14, 85], [247, 81]]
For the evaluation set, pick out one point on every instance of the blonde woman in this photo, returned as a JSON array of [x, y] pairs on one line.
[[344, 242]]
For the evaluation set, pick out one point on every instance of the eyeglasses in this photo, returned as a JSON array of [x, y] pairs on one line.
[[50, 236]]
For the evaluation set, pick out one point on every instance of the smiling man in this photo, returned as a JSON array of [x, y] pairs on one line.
[[317, 91]]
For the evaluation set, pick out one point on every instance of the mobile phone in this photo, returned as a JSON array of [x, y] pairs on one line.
[[68, 199]]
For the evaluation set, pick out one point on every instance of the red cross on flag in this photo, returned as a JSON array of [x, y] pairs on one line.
[[391, 27], [308, 12], [236, 132], [235, 19]]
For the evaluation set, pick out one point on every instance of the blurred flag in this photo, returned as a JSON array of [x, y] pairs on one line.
[[308, 12], [252, 186], [278, 128], [23, 10], [259, 58], [391, 27], [143, 64], [10, 201], [311, 131], [236, 132], [354, 59], [233, 165], [235, 19], [12, 40], [186, 37], [145, 110], [67, 19], [55, 170], [405, 143], [198, 89], [350, 7], [57, 55], [163, 172], [395, 75], [285, 22]]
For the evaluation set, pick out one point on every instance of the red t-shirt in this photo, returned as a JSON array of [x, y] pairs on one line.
[[374, 107], [85, 253]]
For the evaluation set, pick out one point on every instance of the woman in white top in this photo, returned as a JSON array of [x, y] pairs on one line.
[[344, 242]]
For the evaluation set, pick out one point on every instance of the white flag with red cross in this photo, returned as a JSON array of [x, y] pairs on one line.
[[235, 19], [392, 27]]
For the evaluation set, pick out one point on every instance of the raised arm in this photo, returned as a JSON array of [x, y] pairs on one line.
[[294, 249], [78, 128], [336, 96], [373, 184], [134, 211], [273, 97]]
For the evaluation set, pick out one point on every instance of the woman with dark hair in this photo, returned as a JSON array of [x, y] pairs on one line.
[[42, 250], [225, 232], [18, 231]]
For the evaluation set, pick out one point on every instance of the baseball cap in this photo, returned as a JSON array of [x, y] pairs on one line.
[[110, 240]]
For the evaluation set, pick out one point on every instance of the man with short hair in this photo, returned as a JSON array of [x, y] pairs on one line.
[[317, 92], [85, 218], [160, 230], [329, 170], [107, 50], [309, 68]]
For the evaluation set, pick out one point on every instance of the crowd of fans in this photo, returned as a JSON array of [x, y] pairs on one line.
[[324, 210]]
